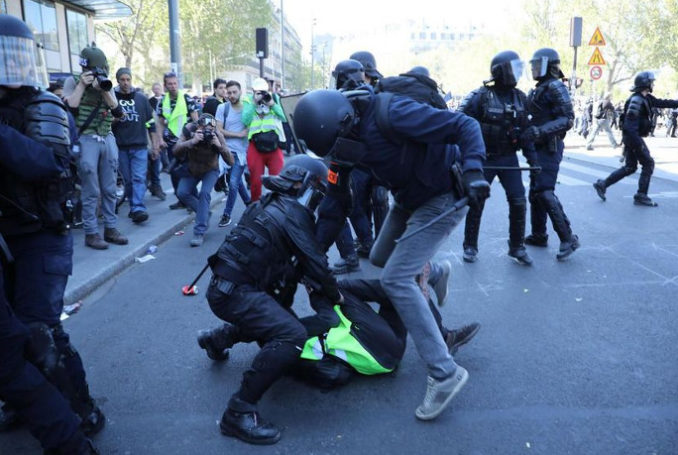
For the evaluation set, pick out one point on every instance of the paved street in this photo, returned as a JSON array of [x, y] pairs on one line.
[[578, 357]]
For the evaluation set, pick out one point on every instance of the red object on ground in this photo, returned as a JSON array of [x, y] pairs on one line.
[[189, 290]]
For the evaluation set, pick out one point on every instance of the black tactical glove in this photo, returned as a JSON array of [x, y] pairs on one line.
[[530, 135], [476, 187]]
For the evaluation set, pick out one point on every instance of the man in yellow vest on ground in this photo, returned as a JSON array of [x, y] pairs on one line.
[[174, 111]]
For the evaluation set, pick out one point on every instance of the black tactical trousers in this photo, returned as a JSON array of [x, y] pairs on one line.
[[512, 182], [260, 318], [634, 155]]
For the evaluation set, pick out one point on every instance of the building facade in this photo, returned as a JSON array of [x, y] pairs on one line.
[[63, 28]]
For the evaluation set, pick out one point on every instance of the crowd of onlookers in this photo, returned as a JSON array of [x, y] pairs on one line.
[[595, 115], [225, 142]]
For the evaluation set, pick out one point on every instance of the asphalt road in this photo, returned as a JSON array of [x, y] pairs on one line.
[[578, 357]]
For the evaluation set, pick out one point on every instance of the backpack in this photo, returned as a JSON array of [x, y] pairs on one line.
[[600, 110], [411, 85]]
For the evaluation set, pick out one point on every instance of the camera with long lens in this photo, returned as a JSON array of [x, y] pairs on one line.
[[265, 97], [102, 78]]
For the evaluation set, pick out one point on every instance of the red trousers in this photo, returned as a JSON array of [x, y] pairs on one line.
[[256, 162]]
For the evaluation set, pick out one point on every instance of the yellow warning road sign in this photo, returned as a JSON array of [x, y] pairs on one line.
[[597, 39], [597, 58]]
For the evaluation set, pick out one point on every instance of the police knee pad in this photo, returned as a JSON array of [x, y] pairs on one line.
[[41, 349], [518, 202], [628, 170]]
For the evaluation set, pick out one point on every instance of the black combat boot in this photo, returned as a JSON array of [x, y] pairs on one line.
[[93, 420], [539, 237], [643, 199], [561, 224], [346, 265], [600, 188], [471, 230], [241, 420], [363, 248], [217, 342], [517, 211]]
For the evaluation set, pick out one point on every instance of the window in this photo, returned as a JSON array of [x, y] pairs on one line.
[[41, 18], [433, 35], [422, 35], [77, 31]]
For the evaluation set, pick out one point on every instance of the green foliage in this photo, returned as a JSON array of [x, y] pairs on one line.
[[215, 35]]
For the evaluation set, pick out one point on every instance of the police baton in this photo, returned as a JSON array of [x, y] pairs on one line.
[[513, 168], [460, 204]]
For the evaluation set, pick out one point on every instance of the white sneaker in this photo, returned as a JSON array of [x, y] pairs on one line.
[[440, 393]]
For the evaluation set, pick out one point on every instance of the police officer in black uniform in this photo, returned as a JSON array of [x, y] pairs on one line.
[[273, 241], [552, 116], [36, 252], [637, 124], [501, 110], [339, 203]]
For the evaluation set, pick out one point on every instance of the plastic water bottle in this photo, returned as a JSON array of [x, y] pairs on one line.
[[152, 249]]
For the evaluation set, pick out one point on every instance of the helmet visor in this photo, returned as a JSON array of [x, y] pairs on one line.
[[511, 72], [539, 67], [22, 63]]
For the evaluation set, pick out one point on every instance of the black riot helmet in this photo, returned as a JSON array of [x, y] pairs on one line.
[[422, 70], [546, 62], [348, 74], [506, 69], [643, 80], [322, 116], [22, 64], [369, 63], [303, 178]]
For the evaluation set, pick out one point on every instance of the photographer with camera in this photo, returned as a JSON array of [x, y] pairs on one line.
[[200, 145], [264, 117], [91, 98]]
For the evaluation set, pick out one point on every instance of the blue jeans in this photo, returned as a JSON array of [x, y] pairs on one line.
[[200, 204], [133, 165], [236, 186], [403, 261]]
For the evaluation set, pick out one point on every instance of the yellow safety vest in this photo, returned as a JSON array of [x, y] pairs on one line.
[[175, 118]]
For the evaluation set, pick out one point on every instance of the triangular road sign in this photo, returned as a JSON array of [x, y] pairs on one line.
[[597, 39], [597, 58]]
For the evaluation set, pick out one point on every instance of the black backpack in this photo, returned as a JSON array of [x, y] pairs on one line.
[[412, 85]]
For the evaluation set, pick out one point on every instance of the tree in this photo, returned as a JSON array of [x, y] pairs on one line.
[[142, 27]]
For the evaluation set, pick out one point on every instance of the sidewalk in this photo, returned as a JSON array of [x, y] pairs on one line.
[[664, 150], [92, 268]]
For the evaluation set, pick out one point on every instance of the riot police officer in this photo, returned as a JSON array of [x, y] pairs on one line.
[[637, 124], [552, 116], [339, 202], [501, 109], [418, 171], [36, 250], [272, 239]]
